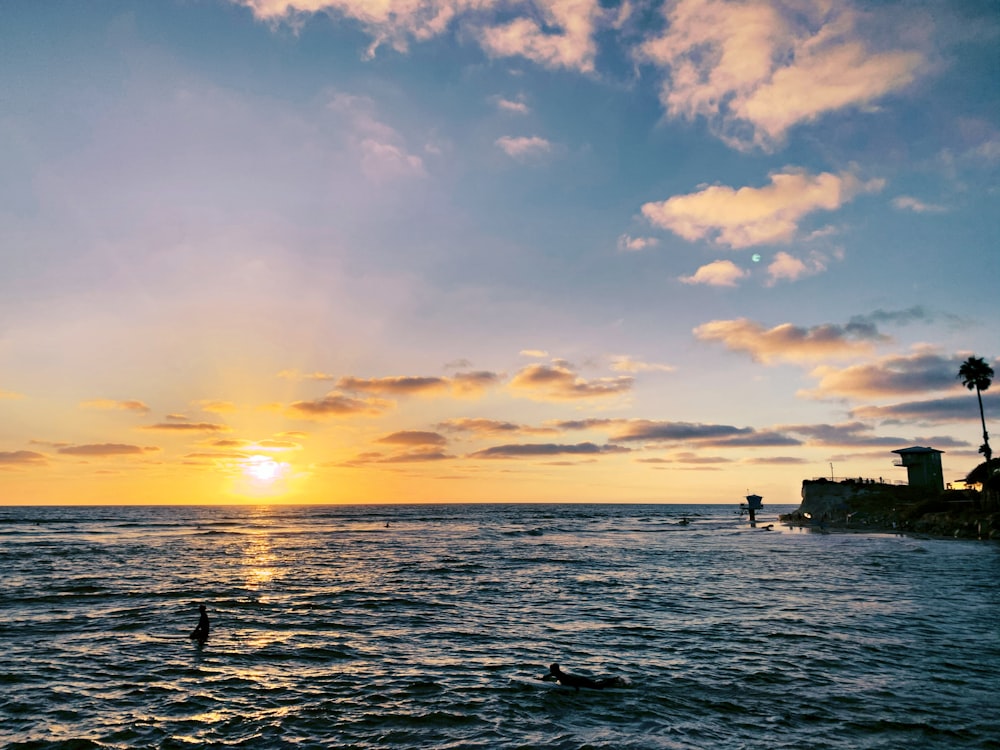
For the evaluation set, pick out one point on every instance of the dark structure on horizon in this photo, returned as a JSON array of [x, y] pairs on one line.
[[923, 468]]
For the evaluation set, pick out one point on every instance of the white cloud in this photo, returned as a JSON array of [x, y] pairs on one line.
[[717, 273], [908, 203], [625, 363], [390, 22], [524, 148], [571, 45], [517, 106], [384, 156], [628, 243], [553, 33], [755, 68], [754, 216], [786, 267]]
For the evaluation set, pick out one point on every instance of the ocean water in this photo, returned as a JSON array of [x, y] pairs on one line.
[[332, 629]]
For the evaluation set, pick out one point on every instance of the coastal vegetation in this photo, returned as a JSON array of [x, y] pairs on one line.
[[972, 512], [976, 375]]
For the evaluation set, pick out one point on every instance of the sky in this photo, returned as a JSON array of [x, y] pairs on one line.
[[368, 251]]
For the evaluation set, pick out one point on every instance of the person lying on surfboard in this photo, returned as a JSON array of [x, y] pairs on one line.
[[200, 633], [578, 681]]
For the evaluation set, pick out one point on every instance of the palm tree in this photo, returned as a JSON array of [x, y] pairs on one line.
[[976, 374]]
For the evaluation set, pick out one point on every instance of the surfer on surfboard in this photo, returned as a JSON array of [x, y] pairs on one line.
[[200, 633], [578, 681]]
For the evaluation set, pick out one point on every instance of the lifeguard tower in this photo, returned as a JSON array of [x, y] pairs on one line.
[[754, 503], [923, 468]]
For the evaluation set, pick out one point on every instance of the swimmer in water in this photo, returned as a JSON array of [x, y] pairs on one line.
[[577, 681], [200, 633]]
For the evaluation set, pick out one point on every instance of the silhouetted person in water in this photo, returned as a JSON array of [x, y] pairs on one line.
[[200, 633], [577, 681]]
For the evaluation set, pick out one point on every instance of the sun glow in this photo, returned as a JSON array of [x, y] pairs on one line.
[[264, 469]]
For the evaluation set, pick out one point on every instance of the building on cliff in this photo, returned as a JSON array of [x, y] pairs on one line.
[[923, 468]]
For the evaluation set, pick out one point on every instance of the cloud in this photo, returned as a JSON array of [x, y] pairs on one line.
[[482, 426], [418, 456], [336, 404], [106, 449], [386, 161], [10, 395], [530, 450], [776, 461], [560, 34], [22, 458], [188, 427], [414, 437], [516, 106], [232, 443], [628, 243], [948, 409], [750, 216], [642, 429], [717, 273], [524, 148], [755, 68], [554, 33], [296, 375], [907, 203], [557, 382], [786, 267], [689, 458], [851, 434], [625, 363], [217, 407], [384, 156], [917, 313], [472, 383], [277, 445], [894, 375], [108, 404], [462, 384], [403, 385], [787, 342], [535, 353]]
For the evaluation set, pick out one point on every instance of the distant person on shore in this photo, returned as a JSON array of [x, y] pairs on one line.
[[200, 633], [578, 681]]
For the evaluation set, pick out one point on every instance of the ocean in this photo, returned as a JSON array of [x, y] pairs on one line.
[[427, 626]]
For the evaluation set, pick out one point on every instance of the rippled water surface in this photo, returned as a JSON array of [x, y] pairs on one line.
[[333, 629]]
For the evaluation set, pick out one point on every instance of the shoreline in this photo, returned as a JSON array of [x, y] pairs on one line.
[[969, 525]]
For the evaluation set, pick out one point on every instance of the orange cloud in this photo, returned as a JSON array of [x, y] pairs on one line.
[[109, 404], [22, 458], [558, 382], [467, 383], [534, 450], [217, 407], [413, 437], [624, 363], [750, 216], [755, 68], [107, 449], [787, 342], [920, 372], [717, 273], [571, 46], [188, 427], [338, 405]]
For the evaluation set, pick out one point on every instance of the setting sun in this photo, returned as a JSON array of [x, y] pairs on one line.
[[264, 469]]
